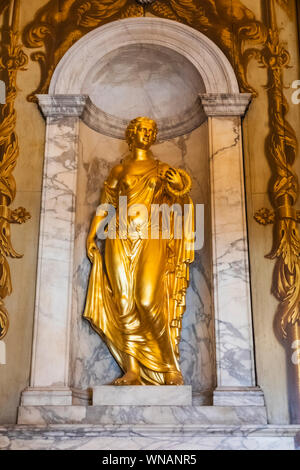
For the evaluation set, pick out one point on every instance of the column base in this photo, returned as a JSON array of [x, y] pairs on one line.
[[48, 396], [238, 396]]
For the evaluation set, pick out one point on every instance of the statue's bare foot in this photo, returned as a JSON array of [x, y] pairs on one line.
[[174, 378], [130, 378]]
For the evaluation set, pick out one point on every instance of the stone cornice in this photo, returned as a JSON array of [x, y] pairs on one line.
[[59, 106], [62, 105], [219, 104]]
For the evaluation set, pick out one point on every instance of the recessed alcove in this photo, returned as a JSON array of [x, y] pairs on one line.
[[92, 362], [200, 130], [155, 81], [146, 80]]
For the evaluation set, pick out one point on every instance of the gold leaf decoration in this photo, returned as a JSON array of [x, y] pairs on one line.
[[57, 29], [4, 320], [284, 190], [133, 11], [265, 216], [163, 10], [3, 5], [286, 285], [228, 23], [12, 59]]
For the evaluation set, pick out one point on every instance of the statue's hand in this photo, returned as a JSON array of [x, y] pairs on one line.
[[91, 247], [174, 178]]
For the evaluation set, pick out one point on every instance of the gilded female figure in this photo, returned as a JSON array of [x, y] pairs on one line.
[[136, 297]]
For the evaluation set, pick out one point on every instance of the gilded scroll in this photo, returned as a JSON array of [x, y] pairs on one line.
[[12, 60]]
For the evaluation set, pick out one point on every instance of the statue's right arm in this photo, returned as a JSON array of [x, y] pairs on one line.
[[91, 245]]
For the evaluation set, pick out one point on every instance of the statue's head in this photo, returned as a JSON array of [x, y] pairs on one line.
[[141, 132]]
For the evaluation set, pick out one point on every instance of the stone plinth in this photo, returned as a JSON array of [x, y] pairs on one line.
[[247, 396], [143, 415], [115, 437], [44, 396], [110, 395]]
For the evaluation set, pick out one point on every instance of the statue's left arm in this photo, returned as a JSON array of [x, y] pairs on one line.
[[179, 182], [174, 179]]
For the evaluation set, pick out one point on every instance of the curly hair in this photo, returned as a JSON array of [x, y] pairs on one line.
[[132, 127]]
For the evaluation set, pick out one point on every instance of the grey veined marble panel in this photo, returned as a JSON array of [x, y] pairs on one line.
[[150, 415], [149, 438]]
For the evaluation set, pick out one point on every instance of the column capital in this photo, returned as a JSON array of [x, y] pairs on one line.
[[225, 104], [62, 105]]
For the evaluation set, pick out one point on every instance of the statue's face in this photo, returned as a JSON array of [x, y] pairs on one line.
[[144, 135]]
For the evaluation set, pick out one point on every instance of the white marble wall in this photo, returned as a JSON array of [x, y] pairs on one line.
[[92, 364]]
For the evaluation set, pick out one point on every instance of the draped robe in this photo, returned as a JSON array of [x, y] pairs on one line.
[[149, 330]]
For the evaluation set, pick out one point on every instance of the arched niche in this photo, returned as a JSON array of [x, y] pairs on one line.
[[213, 113]]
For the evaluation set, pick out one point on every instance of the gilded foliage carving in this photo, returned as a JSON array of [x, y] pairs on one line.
[[57, 26], [12, 59], [284, 186], [227, 22]]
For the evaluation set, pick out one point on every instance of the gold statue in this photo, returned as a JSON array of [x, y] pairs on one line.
[[136, 299]]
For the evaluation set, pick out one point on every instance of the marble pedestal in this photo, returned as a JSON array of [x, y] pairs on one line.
[[39, 396], [141, 405], [107, 395]]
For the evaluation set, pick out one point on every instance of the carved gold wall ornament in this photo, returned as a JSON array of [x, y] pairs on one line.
[[12, 60], [231, 25], [228, 23], [284, 187], [284, 192], [57, 27], [265, 216]]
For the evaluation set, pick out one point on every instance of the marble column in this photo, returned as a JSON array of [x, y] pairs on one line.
[[49, 383], [236, 381]]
